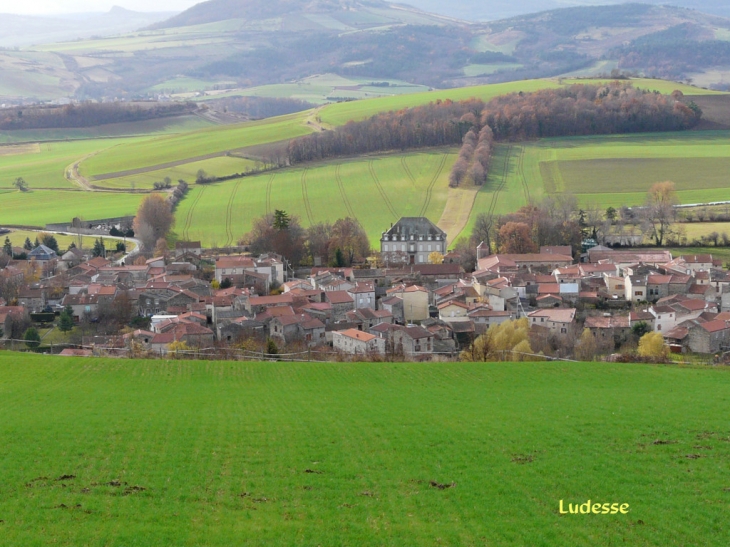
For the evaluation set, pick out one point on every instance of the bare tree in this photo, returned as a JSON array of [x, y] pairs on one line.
[[659, 213], [154, 220]]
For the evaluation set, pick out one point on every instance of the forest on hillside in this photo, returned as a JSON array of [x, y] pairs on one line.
[[87, 114], [570, 111]]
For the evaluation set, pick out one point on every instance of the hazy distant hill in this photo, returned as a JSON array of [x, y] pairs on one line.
[[25, 30], [346, 11], [493, 10], [247, 43]]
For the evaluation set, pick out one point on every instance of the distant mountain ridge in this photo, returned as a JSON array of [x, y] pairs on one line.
[[213, 11], [26, 30]]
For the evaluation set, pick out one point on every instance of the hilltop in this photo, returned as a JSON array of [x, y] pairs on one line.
[[371, 12], [237, 45]]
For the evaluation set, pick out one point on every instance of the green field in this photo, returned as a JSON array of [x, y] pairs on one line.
[[376, 190], [160, 150], [195, 453], [177, 124], [627, 165], [40, 207], [43, 166], [619, 169]]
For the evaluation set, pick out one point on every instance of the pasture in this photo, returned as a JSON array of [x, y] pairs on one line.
[[375, 190], [110, 452]]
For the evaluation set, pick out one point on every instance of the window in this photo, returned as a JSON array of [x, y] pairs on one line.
[[420, 247], [403, 247], [639, 293], [659, 327], [429, 247], [385, 247]]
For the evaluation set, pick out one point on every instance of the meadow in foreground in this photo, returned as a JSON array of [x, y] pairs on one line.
[[120, 452]]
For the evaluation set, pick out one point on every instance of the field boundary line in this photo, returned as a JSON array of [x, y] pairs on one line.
[[341, 186], [503, 182], [229, 214], [429, 190], [269, 184], [381, 190], [407, 169], [189, 217], [305, 195], [521, 173]]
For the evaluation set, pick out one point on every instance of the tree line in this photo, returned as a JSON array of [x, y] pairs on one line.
[[576, 110], [87, 114]]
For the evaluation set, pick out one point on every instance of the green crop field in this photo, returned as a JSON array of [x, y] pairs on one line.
[[177, 124], [40, 207], [376, 190], [110, 452], [219, 167], [44, 165], [618, 170], [214, 140], [627, 165]]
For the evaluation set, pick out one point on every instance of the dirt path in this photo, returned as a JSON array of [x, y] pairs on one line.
[[74, 177], [459, 205]]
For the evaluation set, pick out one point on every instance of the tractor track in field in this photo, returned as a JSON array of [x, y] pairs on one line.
[[305, 196], [229, 214], [407, 169], [521, 173], [189, 217], [502, 183], [429, 190], [341, 186], [269, 184], [388, 204]]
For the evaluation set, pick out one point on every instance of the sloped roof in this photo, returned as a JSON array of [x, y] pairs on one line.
[[416, 226], [357, 335]]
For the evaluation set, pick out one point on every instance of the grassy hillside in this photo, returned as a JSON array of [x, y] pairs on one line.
[[376, 190], [223, 212], [194, 453]]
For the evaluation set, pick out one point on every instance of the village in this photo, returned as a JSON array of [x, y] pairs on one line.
[[199, 302]]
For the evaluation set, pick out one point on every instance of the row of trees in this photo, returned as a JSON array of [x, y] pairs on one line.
[[575, 110], [475, 158], [339, 244], [88, 114]]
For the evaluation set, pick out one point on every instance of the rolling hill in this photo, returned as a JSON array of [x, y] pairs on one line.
[[239, 45]]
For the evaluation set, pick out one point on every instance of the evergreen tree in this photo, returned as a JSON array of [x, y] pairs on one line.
[[50, 242], [66, 320], [99, 249], [339, 258], [271, 347], [36, 243], [28, 246], [32, 338], [8, 247], [226, 283], [281, 220]]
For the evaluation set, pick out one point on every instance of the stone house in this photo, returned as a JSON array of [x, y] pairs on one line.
[[709, 337], [355, 342], [411, 240], [558, 321]]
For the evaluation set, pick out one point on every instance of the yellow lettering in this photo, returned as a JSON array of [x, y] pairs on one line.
[[596, 507], [585, 508], [614, 508], [624, 508], [562, 512], [606, 508]]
